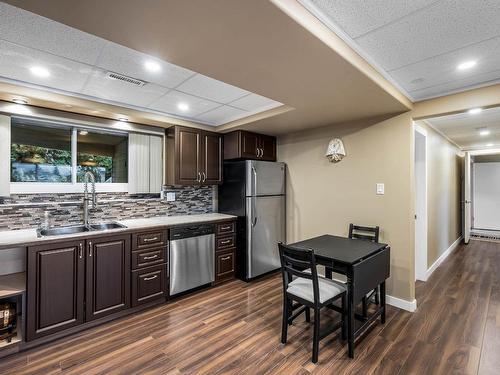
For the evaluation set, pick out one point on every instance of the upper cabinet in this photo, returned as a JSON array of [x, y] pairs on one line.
[[194, 157], [246, 145]]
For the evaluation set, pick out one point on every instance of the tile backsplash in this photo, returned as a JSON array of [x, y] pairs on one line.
[[22, 211]]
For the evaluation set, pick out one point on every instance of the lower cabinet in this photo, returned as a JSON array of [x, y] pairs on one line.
[[55, 288], [58, 275], [148, 284], [225, 251], [224, 265]]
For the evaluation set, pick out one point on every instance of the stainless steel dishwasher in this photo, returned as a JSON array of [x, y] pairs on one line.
[[192, 257]]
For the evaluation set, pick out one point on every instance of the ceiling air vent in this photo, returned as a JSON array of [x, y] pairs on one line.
[[121, 77]]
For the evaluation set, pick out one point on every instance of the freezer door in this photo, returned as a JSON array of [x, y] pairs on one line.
[[265, 178], [265, 228]]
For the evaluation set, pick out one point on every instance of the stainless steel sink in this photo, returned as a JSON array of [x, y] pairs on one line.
[[106, 226], [63, 230], [75, 229]]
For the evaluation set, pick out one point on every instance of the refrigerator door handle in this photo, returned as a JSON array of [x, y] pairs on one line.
[[254, 172]]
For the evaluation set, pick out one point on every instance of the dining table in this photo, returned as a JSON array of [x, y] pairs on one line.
[[365, 264]]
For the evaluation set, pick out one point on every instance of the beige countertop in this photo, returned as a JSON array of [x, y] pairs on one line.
[[24, 237]]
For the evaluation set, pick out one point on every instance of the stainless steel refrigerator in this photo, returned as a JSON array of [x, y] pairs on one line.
[[255, 192]]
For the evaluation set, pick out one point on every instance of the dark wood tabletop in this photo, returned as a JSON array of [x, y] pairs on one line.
[[340, 249]]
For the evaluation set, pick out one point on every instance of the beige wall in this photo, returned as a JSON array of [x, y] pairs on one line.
[[444, 225], [323, 197]]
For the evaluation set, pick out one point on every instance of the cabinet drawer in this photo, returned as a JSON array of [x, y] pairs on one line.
[[149, 284], [226, 242], [226, 228], [148, 257], [224, 266], [143, 240]]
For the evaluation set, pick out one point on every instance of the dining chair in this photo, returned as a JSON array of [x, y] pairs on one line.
[[368, 234], [301, 284]]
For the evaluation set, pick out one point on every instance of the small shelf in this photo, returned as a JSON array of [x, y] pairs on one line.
[[12, 285]]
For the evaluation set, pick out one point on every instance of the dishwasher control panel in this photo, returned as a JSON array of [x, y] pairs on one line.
[[187, 231]]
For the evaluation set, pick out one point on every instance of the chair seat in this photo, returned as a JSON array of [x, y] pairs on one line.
[[303, 288]]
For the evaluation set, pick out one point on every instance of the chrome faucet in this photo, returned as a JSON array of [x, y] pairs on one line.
[[88, 177]]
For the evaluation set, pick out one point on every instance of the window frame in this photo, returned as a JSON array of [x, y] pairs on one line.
[[73, 186]]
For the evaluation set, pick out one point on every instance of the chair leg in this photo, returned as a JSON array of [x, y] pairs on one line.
[[315, 350], [284, 327], [290, 311], [328, 272], [344, 317], [308, 315], [365, 307]]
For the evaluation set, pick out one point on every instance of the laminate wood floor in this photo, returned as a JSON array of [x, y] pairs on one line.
[[235, 329]]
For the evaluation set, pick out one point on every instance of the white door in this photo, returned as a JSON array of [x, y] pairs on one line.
[[467, 198], [420, 171]]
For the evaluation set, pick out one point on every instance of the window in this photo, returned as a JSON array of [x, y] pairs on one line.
[[44, 154], [40, 154]]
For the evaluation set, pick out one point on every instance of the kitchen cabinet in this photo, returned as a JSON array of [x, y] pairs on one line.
[[194, 157], [225, 251], [55, 288], [149, 284], [107, 276], [241, 144]]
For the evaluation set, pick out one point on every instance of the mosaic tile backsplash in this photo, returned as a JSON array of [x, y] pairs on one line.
[[22, 211]]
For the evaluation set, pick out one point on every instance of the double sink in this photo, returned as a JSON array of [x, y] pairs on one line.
[[74, 229]]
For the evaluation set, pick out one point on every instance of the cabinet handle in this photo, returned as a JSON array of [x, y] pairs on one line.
[[199, 177], [150, 239], [204, 176], [225, 242], [151, 257], [226, 227], [80, 251], [90, 249], [226, 258], [150, 278]]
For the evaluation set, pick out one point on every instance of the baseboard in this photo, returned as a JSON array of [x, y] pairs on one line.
[[410, 306], [442, 258]]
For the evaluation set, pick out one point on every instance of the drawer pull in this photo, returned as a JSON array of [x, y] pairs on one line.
[[226, 258], [151, 239], [150, 278], [151, 257], [225, 242], [226, 227]]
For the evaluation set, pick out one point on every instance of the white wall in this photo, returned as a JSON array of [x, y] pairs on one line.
[[486, 195]]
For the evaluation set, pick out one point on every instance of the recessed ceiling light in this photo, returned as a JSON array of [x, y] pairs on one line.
[[467, 65], [83, 132], [40, 71], [484, 132], [474, 111], [20, 101], [152, 66], [123, 119], [183, 107], [489, 144]]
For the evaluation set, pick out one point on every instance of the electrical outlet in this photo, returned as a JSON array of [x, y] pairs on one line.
[[380, 188], [170, 197]]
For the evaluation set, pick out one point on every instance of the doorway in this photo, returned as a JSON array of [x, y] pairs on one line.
[[420, 173]]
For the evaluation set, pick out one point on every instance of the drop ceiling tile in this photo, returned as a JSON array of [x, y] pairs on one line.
[[169, 102], [442, 69], [31, 30], [357, 17], [254, 102], [438, 29], [222, 115], [211, 89], [102, 87], [16, 61], [127, 61]]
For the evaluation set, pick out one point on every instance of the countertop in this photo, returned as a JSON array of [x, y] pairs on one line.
[[26, 237]]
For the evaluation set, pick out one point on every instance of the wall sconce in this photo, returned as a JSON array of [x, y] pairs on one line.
[[335, 151]]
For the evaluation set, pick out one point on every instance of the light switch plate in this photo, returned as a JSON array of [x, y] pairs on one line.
[[170, 197], [380, 188]]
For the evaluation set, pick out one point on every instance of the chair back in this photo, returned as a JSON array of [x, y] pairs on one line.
[[364, 233], [293, 263]]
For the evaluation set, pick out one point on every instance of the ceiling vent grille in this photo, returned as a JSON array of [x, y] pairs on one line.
[[126, 79]]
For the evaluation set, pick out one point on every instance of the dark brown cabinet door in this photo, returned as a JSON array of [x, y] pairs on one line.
[[188, 149], [107, 276], [249, 142], [224, 265], [149, 284], [212, 158], [267, 145], [55, 289]]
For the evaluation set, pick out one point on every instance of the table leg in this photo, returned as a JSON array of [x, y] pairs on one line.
[[350, 317], [328, 272], [382, 302]]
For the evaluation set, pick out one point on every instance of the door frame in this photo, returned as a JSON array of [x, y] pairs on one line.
[[421, 203]]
